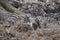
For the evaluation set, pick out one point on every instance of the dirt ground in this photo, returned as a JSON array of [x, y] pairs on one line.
[[23, 32], [18, 29]]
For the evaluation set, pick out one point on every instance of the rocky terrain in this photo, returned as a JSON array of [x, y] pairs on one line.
[[44, 14]]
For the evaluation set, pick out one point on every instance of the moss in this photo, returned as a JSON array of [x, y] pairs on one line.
[[18, 12], [0, 4], [12, 10], [7, 8]]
